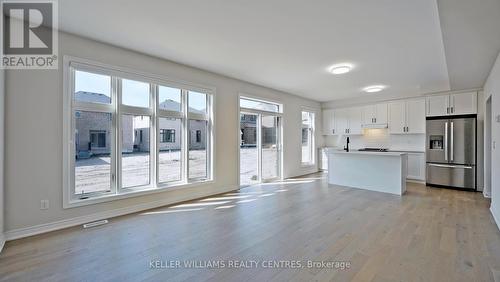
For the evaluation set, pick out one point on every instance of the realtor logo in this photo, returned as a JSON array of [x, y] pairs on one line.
[[29, 34]]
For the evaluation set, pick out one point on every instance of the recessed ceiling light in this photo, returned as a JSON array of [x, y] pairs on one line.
[[340, 68], [374, 88]]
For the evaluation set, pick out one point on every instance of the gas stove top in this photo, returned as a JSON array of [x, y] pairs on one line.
[[374, 149]]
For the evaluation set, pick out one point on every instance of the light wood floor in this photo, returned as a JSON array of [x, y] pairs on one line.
[[429, 234]]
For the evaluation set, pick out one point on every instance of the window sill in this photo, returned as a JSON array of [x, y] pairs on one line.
[[73, 203]]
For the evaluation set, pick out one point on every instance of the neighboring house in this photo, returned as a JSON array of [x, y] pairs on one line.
[[93, 130], [248, 128], [248, 131]]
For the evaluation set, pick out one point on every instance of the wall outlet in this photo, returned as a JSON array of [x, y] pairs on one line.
[[44, 204]]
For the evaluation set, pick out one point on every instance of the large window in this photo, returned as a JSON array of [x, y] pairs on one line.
[[308, 138], [130, 133]]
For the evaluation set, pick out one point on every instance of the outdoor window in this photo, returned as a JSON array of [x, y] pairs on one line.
[[130, 133], [198, 136], [167, 135], [307, 138], [97, 138]]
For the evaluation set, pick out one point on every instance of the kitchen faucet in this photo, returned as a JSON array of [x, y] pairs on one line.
[[346, 148]]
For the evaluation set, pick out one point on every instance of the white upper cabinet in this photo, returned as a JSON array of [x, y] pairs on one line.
[[347, 121], [463, 103], [415, 116], [397, 117], [355, 121], [382, 113], [374, 114], [407, 117], [453, 104], [438, 105], [342, 121], [328, 122], [369, 113]]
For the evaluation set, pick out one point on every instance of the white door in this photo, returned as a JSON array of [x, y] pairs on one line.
[[464, 103], [397, 119], [341, 121], [328, 122], [355, 121], [369, 114], [438, 105], [415, 116], [381, 116]]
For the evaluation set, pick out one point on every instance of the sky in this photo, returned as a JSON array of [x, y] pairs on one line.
[[134, 93]]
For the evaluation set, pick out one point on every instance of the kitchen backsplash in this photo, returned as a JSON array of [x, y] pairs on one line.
[[380, 138]]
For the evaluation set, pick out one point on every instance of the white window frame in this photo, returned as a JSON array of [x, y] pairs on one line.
[[312, 149], [116, 109], [260, 113]]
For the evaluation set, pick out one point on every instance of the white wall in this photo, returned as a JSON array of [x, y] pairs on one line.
[[34, 136], [2, 108], [492, 88]]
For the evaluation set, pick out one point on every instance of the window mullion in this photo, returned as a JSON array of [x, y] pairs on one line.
[[153, 139], [119, 137], [185, 136]]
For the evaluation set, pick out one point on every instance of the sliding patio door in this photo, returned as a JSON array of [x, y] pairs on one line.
[[260, 147]]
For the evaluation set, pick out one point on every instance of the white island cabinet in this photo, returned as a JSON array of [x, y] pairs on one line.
[[376, 171]]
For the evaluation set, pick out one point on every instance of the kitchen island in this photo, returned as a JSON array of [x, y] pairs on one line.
[[375, 171]]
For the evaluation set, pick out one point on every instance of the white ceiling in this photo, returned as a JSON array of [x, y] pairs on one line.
[[286, 44], [471, 35]]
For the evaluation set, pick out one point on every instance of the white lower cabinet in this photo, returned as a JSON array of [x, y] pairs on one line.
[[416, 166]]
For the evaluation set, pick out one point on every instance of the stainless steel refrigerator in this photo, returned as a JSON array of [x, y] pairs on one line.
[[451, 152]]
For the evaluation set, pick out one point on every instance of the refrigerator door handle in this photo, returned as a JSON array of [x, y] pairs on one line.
[[446, 141], [451, 166], [451, 141]]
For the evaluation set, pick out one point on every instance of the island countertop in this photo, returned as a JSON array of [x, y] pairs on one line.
[[395, 154]]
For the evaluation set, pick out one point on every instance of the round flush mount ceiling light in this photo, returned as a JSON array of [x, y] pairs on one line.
[[374, 88], [341, 68]]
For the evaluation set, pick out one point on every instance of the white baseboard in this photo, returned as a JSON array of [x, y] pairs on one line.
[[65, 223], [497, 220], [2, 241]]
